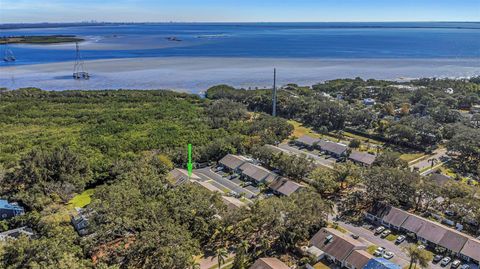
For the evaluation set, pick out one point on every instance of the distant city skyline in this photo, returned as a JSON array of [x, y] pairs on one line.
[[31, 11]]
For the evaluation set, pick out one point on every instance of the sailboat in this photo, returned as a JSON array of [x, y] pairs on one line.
[[8, 57]]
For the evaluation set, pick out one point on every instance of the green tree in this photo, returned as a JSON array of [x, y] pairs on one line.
[[221, 255], [242, 258]]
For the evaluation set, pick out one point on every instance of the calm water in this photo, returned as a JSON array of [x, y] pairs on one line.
[[261, 40]]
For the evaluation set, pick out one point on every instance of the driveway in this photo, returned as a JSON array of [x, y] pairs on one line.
[[206, 174], [328, 163]]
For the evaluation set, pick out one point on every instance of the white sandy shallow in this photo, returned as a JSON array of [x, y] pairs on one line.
[[198, 73]]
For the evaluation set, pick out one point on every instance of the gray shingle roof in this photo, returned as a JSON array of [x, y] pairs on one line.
[[285, 186], [257, 173], [340, 246], [269, 263], [432, 232], [396, 216], [308, 140], [335, 148], [359, 258], [278, 150], [413, 224], [232, 161], [362, 157], [453, 240], [472, 249], [427, 229]]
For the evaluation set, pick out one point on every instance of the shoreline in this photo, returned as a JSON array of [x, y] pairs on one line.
[[195, 74]]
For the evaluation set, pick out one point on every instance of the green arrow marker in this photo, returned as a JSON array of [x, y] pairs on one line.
[[189, 165]]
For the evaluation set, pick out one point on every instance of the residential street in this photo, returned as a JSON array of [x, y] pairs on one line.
[[423, 164]]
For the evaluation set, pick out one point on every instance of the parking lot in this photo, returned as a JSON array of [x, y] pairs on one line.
[[234, 185], [367, 236]]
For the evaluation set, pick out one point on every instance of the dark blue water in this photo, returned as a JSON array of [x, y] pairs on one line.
[[279, 40]]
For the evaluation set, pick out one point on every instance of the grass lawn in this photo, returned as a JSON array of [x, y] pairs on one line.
[[449, 172], [81, 200], [408, 157], [300, 130], [371, 249], [321, 265], [338, 228], [341, 229], [391, 237]]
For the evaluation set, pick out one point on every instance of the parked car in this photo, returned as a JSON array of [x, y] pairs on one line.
[[379, 230], [465, 266], [385, 233], [445, 261], [355, 236], [220, 168], [379, 251], [400, 239], [388, 255], [455, 264], [246, 184], [437, 258], [421, 247], [450, 213]]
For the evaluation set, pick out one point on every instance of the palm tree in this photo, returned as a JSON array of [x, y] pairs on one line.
[[418, 256], [412, 253], [424, 258], [241, 256], [221, 255], [222, 234]]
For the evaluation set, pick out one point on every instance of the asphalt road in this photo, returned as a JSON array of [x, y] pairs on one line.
[[319, 160], [207, 174], [437, 154]]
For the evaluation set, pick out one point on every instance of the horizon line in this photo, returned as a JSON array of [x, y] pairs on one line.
[[143, 22]]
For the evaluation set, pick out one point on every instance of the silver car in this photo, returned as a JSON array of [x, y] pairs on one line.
[[445, 261]]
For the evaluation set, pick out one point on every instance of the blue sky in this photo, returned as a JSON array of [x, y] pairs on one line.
[[238, 10]]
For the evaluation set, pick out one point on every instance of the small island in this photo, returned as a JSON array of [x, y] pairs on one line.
[[51, 39]]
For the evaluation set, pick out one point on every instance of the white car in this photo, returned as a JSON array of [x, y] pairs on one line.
[[385, 233], [445, 261], [388, 255], [379, 251], [456, 263], [400, 239], [379, 230], [421, 247]]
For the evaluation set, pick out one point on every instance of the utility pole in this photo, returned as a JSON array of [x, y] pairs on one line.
[[274, 98], [79, 66]]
